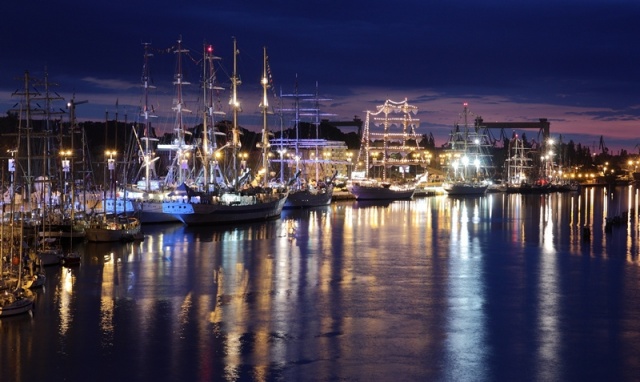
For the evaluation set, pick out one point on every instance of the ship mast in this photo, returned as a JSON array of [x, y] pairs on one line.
[[265, 108], [235, 106], [209, 143], [182, 148], [392, 142], [149, 171]]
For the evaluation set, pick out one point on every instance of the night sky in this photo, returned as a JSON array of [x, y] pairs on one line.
[[576, 63]]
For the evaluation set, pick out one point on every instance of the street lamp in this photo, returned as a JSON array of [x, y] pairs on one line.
[[66, 167], [111, 165], [634, 164], [12, 170]]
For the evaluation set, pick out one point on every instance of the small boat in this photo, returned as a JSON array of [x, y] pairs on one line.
[[16, 302], [49, 251], [70, 259], [14, 298], [119, 228], [310, 197], [301, 196], [35, 280], [33, 275], [67, 230]]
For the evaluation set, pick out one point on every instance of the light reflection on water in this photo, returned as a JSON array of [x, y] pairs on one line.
[[499, 287]]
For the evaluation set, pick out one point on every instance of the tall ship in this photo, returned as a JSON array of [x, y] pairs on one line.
[[519, 168], [148, 188], [308, 159], [468, 158], [144, 194], [391, 158], [217, 203]]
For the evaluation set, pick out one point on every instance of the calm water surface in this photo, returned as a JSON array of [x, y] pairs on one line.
[[492, 288]]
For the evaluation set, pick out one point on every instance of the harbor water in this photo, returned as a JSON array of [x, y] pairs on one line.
[[500, 287]]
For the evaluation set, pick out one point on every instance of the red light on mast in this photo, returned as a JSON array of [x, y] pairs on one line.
[[209, 48]]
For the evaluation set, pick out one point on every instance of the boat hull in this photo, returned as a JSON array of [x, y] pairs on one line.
[[375, 192], [16, 306], [34, 281], [119, 206], [460, 189], [125, 230], [49, 257], [63, 231], [150, 212], [110, 235], [70, 259], [306, 198], [204, 213]]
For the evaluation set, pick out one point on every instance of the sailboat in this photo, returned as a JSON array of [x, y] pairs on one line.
[[307, 187], [14, 299], [469, 159], [310, 195], [233, 205], [70, 258], [31, 273], [144, 197], [15, 302], [375, 181], [118, 228], [519, 167], [49, 251]]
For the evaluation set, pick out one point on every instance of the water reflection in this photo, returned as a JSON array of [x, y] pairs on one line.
[[438, 288], [547, 321], [466, 349]]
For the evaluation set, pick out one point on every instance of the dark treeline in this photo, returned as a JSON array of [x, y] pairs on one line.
[[109, 135]]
